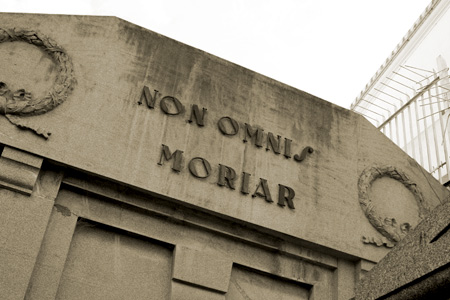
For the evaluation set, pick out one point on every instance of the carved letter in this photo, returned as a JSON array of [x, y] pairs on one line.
[[177, 158], [287, 148], [231, 129], [149, 100], [302, 156], [265, 190], [179, 108], [273, 143], [195, 114], [282, 197], [205, 164], [257, 134], [245, 182], [226, 176]]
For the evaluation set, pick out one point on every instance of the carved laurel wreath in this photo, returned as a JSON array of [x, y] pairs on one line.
[[388, 227], [20, 102]]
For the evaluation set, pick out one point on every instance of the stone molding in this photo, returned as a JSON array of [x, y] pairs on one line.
[[91, 184], [19, 170]]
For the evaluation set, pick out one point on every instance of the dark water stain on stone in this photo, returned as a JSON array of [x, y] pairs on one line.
[[63, 210]]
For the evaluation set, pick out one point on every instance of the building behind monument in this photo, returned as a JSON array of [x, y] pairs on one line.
[[408, 97]]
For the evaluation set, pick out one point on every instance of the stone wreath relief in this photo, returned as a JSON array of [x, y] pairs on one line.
[[17, 103]]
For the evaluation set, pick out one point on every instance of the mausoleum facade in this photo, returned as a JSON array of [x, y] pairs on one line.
[[137, 167]]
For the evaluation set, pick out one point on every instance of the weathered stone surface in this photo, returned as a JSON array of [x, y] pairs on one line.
[[206, 269], [23, 221], [102, 129], [418, 267], [261, 253], [50, 262], [19, 170], [105, 264]]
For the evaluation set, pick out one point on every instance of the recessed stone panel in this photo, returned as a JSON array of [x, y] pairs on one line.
[[106, 264]]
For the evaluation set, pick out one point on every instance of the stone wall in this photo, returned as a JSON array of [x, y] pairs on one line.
[[136, 166]]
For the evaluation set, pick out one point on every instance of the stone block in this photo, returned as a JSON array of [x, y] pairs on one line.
[[201, 268], [23, 221], [417, 266], [19, 170], [52, 256]]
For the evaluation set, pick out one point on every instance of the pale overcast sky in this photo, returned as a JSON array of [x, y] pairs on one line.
[[328, 48]]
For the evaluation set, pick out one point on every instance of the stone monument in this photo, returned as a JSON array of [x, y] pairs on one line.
[[137, 167]]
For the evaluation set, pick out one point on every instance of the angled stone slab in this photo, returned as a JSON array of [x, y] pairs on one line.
[[418, 267]]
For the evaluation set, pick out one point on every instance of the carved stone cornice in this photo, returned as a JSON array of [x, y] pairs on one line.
[[19, 170]]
